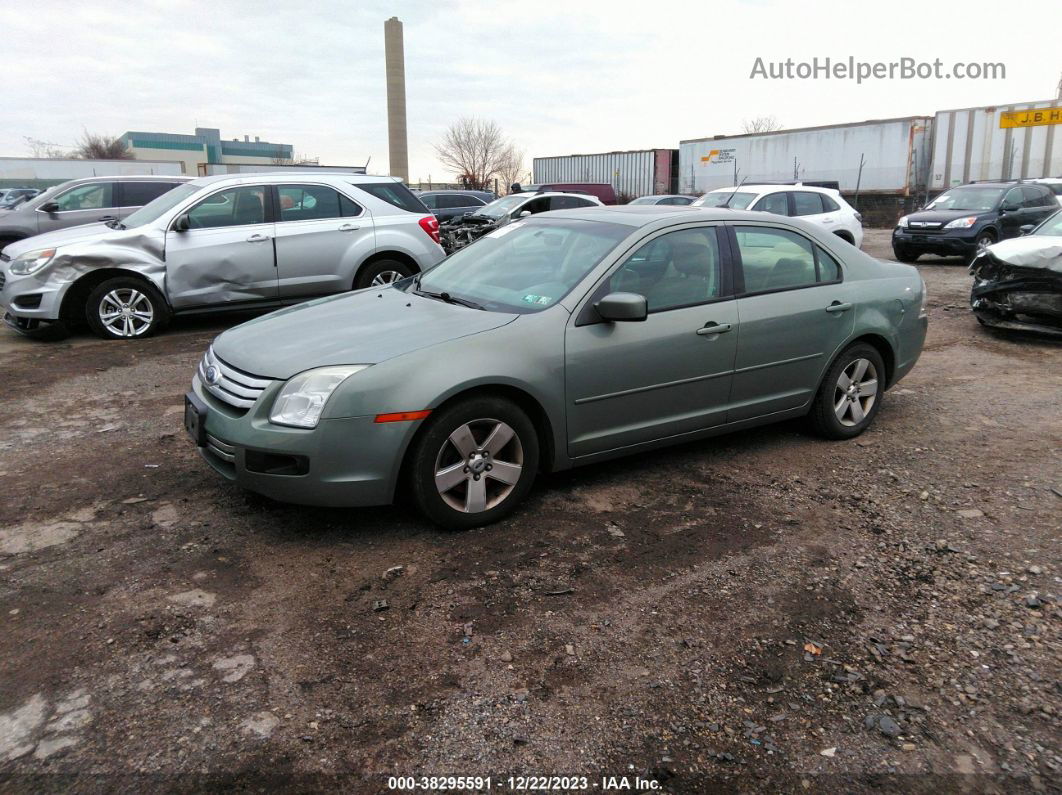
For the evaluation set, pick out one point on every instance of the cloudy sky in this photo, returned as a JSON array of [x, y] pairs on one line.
[[559, 77]]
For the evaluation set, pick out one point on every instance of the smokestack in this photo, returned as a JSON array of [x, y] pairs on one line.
[[398, 152]]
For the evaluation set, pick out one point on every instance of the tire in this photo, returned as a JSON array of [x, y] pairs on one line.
[[141, 310], [904, 254], [381, 273], [834, 419], [984, 240], [466, 498]]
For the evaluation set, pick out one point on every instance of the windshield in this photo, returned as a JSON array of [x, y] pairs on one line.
[[153, 210], [524, 267], [645, 200], [499, 207], [1052, 226], [980, 199], [737, 201]]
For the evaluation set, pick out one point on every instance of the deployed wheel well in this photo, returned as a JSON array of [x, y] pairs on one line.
[[72, 312], [884, 349], [534, 411], [846, 236], [395, 255]]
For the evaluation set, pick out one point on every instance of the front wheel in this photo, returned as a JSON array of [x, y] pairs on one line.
[[125, 308], [904, 254], [382, 273], [984, 240], [474, 462], [850, 395]]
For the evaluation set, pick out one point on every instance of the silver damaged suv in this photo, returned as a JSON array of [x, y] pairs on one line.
[[218, 243]]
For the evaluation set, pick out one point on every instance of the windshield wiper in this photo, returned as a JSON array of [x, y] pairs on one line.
[[445, 297]]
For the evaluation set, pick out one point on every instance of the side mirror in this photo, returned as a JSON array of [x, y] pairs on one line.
[[49, 207], [524, 214], [182, 224], [1009, 208], [1027, 228], [622, 307]]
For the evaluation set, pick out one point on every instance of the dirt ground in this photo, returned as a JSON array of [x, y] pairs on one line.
[[762, 611]]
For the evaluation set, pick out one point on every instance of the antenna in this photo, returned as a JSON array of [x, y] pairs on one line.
[[733, 193]]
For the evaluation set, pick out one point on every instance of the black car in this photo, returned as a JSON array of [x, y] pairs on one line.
[[447, 204], [966, 219]]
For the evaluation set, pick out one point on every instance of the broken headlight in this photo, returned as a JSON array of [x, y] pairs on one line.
[[31, 261], [303, 397]]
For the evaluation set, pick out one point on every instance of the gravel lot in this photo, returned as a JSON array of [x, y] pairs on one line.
[[759, 611]]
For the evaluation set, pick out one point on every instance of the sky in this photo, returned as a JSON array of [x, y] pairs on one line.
[[558, 77]]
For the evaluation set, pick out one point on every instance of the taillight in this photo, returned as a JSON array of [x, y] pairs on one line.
[[430, 224]]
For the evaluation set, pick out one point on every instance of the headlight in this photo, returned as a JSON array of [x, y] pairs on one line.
[[903, 221], [303, 397], [962, 223], [31, 261]]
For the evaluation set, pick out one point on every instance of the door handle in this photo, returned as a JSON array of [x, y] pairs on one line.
[[257, 238], [108, 218], [349, 228], [714, 328], [837, 306]]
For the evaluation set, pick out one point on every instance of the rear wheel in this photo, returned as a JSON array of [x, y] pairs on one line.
[[125, 308], [474, 462], [381, 273], [851, 393]]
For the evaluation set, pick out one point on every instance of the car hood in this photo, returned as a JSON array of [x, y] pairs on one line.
[[365, 327], [943, 216], [1031, 251], [62, 237]]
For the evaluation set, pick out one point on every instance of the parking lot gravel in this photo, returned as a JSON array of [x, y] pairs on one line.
[[761, 611]]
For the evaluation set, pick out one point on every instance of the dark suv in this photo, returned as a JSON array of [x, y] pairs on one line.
[[964, 220], [447, 204]]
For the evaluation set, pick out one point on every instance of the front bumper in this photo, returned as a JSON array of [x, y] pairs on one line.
[[959, 243], [29, 304], [353, 461]]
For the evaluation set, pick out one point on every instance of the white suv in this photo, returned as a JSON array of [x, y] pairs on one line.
[[218, 243], [823, 206]]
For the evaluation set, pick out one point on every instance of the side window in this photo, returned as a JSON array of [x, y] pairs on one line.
[[677, 269], [1034, 196], [828, 204], [349, 207], [92, 196], [807, 203], [430, 200], [1014, 198], [535, 206], [451, 201], [137, 194], [232, 207], [567, 202], [774, 259], [394, 193], [829, 270], [307, 203], [776, 203]]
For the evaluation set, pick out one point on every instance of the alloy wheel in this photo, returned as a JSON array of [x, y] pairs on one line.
[[855, 392], [984, 242], [385, 277], [126, 312], [479, 465]]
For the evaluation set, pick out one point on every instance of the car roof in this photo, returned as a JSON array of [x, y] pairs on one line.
[[751, 187], [289, 177], [636, 215], [129, 178]]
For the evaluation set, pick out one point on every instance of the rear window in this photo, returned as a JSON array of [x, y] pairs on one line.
[[395, 194], [137, 194]]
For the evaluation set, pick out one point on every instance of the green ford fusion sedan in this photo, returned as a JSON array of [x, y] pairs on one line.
[[562, 339]]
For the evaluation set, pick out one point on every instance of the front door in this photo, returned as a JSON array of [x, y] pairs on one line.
[[86, 203], [226, 255], [633, 382], [321, 236], [795, 311]]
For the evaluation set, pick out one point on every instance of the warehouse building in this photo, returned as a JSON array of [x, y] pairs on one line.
[[631, 174], [205, 148]]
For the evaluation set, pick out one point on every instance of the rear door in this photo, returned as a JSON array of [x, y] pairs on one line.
[[321, 235], [226, 256], [131, 196], [635, 382], [86, 203], [795, 310], [808, 205]]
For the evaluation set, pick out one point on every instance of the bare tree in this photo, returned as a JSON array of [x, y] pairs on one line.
[[761, 124], [102, 147], [511, 168], [475, 150], [39, 148]]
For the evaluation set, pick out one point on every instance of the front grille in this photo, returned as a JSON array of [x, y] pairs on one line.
[[3, 280], [223, 450], [925, 227], [229, 385]]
